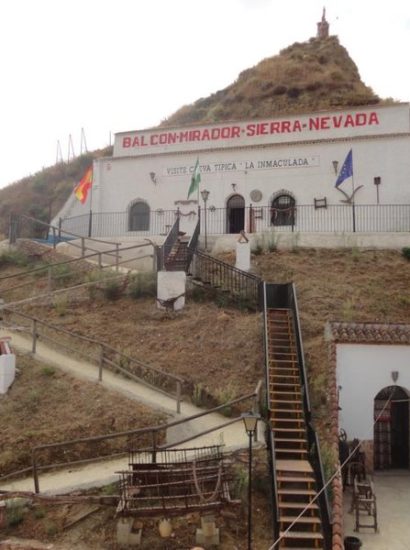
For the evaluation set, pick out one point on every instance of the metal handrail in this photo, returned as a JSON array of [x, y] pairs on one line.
[[167, 245], [59, 230], [193, 242], [46, 267], [104, 354], [236, 281], [271, 443]]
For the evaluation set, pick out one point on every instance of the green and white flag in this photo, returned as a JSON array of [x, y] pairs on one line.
[[195, 180]]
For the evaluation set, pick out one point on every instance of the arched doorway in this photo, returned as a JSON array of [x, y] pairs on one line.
[[391, 431], [138, 217], [283, 210], [235, 214]]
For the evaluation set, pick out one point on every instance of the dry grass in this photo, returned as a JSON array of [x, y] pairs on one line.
[[45, 405]]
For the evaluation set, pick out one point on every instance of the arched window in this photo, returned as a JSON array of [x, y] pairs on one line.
[[138, 217], [283, 210], [235, 214]]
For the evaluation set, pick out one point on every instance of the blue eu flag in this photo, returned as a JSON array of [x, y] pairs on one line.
[[346, 170]]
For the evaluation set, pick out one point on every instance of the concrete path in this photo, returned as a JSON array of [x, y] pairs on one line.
[[102, 472], [392, 490]]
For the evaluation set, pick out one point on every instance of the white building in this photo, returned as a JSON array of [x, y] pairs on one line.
[[270, 173]]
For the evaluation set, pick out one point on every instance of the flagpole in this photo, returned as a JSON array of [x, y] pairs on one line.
[[353, 205], [90, 218]]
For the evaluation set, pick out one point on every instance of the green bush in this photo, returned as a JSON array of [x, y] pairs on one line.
[[48, 371], [142, 285], [14, 515], [406, 252], [198, 395], [112, 290], [62, 274], [13, 257], [224, 394]]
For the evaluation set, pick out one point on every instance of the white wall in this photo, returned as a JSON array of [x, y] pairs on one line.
[[362, 371]]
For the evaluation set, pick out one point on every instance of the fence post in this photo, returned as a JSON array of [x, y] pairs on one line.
[[117, 256], [99, 260], [60, 224], [12, 231], [82, 247], [35, 472], [34, 334], [154, 446], [54, 237], [49, 281], [101, 364], [178, 397]]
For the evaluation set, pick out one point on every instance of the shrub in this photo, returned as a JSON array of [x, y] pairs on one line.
[[240, 483], [224, 394], [294, 92], [39, 513], [198, 395], [60, 305], [112, 290], [62, 274], [48, 371], [14, 515], [13, 257], [142, 285], [406, 252], [280, 89], [50, 528]]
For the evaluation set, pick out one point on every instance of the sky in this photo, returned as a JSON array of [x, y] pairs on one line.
[[109, 66]]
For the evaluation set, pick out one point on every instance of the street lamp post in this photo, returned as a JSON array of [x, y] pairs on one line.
[[205, 195], [250, 421]]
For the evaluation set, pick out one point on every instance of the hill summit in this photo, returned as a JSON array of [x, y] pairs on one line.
[[309, 76]]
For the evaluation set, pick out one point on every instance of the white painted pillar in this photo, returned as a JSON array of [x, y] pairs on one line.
[[243, 253], [171, 286]]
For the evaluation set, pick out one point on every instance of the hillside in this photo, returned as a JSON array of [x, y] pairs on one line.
[[313, 75], [42, 194]]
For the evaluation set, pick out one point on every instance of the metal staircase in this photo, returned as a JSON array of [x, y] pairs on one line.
[[295, 460], [178, 256]]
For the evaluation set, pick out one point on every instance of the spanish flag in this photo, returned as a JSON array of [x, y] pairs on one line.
[[82, 188]]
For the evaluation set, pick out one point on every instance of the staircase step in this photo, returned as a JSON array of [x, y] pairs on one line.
[[301, 452], [288, 421], [297, 506], [301, 535], [303, 519], [295, 411], [290, 440], [286, 392], [301, 466], [297, 492], [295, 479], [293, 376], [288, 385], [284, 371], [285, 432]]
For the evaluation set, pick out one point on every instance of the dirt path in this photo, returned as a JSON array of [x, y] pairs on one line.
[[103, 472]]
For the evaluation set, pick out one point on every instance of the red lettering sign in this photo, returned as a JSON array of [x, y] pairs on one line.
[[271, 127]]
